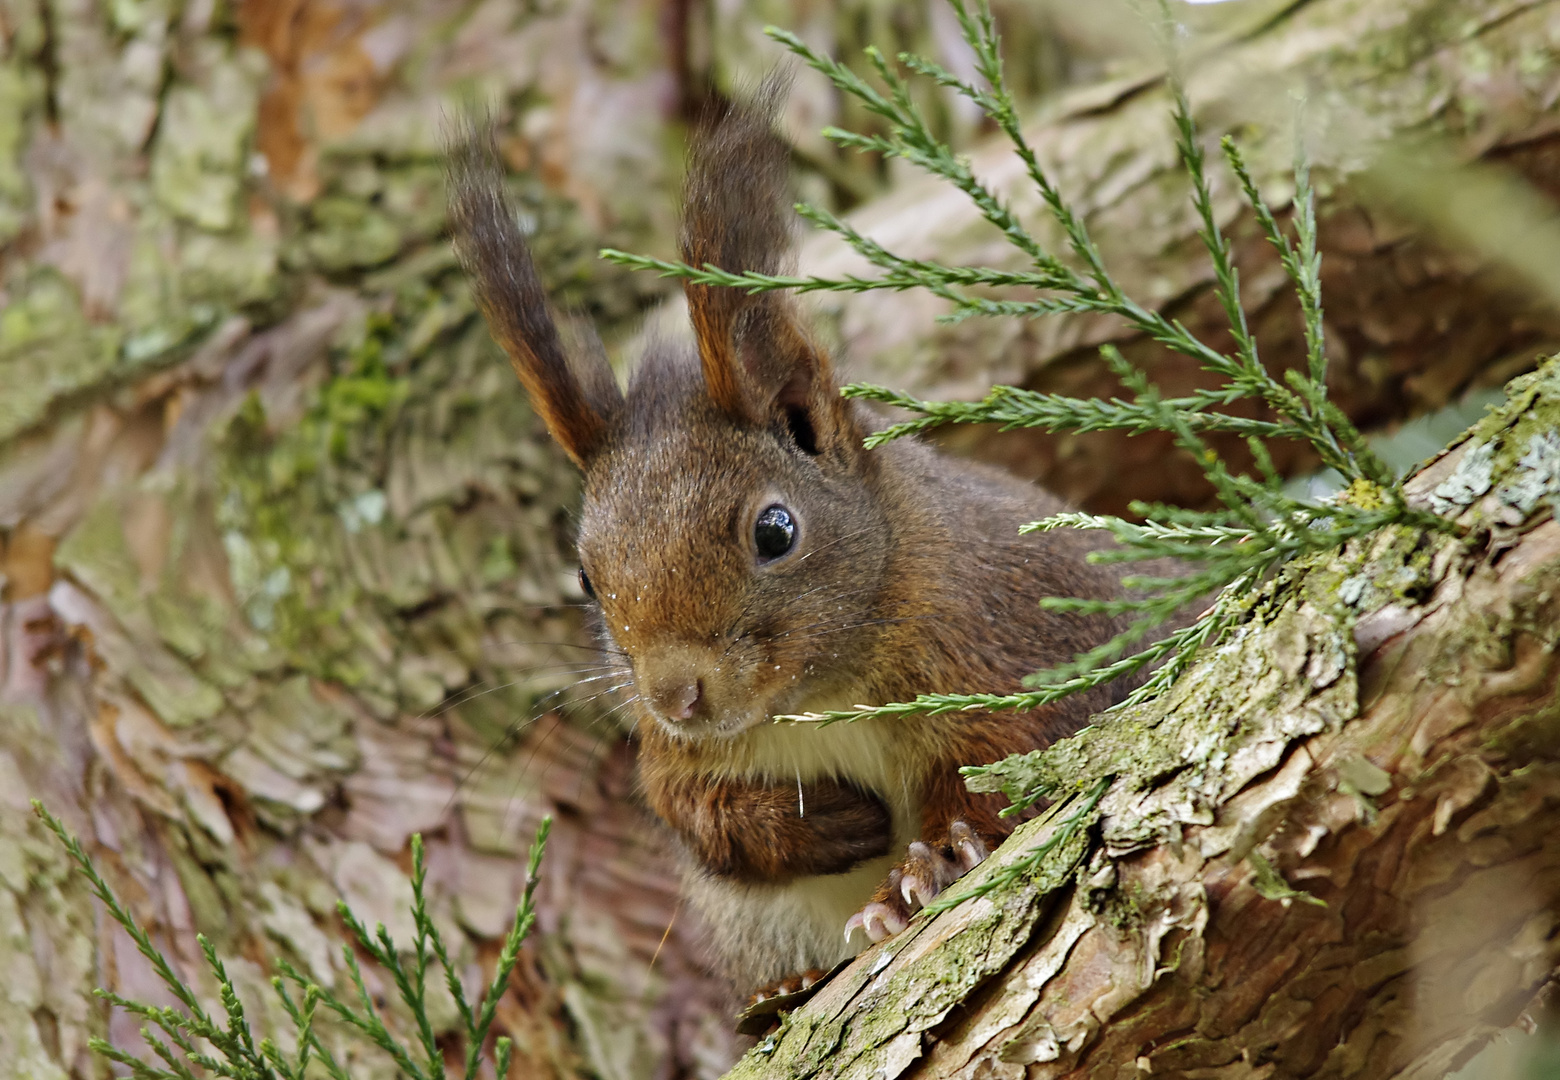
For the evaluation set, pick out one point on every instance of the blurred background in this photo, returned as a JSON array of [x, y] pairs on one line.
[[286, 560]]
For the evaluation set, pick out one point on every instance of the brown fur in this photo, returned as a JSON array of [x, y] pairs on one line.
[[758, 832], [907, 575]]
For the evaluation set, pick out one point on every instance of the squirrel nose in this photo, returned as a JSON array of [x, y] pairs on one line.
[[674, 682], [678, 701]]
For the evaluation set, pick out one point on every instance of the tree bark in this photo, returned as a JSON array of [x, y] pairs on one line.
[[286, 558], [1329, 851]]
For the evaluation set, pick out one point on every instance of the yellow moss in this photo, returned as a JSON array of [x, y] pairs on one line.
[[1364, 494]]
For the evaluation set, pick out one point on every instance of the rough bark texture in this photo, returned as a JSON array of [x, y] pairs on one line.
[[285, 557], [1328, 852]]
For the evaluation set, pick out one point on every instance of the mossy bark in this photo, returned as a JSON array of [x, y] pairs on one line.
[[286, 558]]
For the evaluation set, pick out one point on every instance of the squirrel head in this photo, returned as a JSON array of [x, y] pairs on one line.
[[734, 531]]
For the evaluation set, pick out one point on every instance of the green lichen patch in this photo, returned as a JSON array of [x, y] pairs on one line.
[[1397, 566], [179, 282], [1270, 884], [96, 555], [21, 101], [234, 271], [1535, 477], [48, 349], [281, 509], [1508, 476], [347, 234], [1472, 478], [201, 154]]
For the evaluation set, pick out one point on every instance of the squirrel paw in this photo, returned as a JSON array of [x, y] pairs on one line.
[[925, 873], [786, 987], [764, 1008]]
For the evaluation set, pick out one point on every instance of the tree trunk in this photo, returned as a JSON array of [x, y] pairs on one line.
[[287, 571]]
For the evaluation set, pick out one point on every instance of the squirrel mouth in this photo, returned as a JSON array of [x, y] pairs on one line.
[[725, 726]]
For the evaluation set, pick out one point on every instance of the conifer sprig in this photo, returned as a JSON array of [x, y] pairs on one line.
[[175, 1034], [1257, 526]]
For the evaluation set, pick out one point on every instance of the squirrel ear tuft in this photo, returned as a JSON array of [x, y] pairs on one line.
[[575, 397], [757, 356]]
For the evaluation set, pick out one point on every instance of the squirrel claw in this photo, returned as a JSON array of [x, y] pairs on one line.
[[917, 886], [879, 921], [927, 870], [968, 848]]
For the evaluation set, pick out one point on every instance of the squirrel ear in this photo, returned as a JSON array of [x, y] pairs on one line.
[[736, 215], [787, 375], [575, 399]]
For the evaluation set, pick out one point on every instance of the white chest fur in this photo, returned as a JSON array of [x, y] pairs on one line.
[[865, 752], [770, 932]]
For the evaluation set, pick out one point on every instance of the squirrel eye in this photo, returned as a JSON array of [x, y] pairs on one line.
[[585, 585], [774, 532]]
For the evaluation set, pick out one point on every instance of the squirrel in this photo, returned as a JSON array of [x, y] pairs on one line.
[[751, 559]]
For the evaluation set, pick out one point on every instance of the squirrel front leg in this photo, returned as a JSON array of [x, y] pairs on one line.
[[959, 828], [759, 831]]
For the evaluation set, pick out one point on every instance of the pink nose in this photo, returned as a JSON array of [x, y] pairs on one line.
[[678, 700], [674, 681]]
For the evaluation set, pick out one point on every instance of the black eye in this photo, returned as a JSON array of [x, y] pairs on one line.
[[585, 585], [774, 532]]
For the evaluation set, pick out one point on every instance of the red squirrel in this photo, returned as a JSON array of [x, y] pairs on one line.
[[751, 559]]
